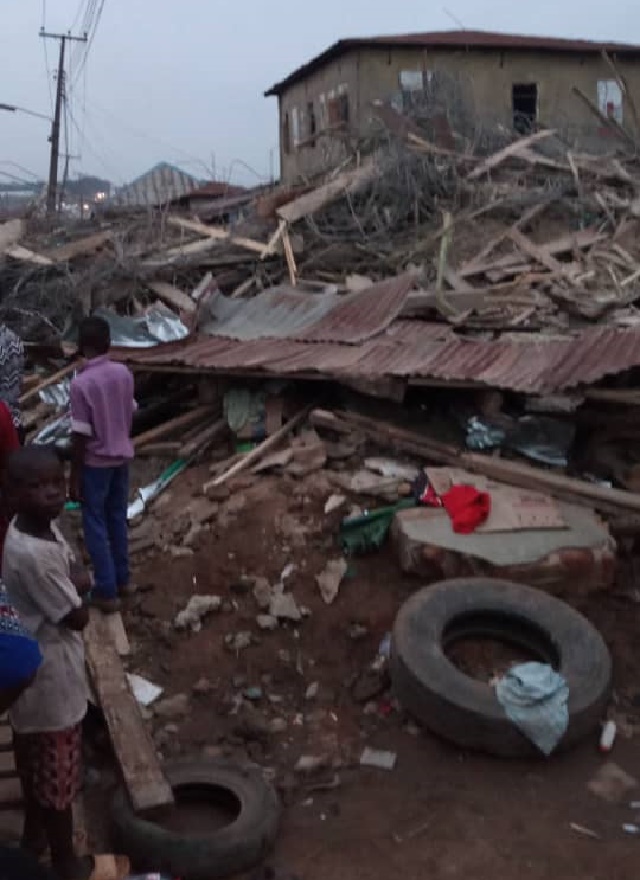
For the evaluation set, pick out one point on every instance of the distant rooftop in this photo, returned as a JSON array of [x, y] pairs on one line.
[[460, 39]]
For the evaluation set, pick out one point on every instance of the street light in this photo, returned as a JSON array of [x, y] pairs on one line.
[[12, 108]]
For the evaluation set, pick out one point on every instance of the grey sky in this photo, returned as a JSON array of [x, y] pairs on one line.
[[182, 80]]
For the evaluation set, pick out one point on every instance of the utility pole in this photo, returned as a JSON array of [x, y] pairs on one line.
[[52, 192]]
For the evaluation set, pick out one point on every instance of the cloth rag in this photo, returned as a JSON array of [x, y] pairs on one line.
[[535, 698], [467, 508]]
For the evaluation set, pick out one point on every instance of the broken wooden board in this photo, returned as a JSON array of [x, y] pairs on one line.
[[118, 633], [24, 255], [347, 182], [172, 296], [145, 782], [217, 233], [579, 240], [10, 234], [73, 249], [511, 150]]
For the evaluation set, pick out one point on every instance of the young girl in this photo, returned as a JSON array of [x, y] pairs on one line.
[[47, 718]]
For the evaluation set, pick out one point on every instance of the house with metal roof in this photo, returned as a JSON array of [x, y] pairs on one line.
[[468, 83]]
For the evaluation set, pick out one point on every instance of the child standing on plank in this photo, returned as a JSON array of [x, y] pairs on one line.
[[47, 717], [102, 407]]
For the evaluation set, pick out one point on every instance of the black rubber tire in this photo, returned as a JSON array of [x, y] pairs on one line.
[[235, 848], [466, 711]]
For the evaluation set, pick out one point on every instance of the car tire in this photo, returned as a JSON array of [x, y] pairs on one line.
[[232, 849], [466, 711]]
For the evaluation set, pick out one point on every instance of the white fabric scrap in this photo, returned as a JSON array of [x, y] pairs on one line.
[[535, 698]]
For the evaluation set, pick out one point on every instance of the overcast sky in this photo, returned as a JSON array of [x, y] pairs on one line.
[[182, 80]]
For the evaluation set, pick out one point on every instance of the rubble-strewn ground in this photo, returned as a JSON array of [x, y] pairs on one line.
[[303, 689]]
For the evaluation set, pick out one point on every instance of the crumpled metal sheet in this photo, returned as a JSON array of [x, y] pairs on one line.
[[285, 313], [158, 325]]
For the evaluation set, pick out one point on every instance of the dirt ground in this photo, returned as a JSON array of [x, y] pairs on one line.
[[439, 813]]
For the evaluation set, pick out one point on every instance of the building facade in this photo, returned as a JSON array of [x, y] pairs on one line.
[[479, 81]]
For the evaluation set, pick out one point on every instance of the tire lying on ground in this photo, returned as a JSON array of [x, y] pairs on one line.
[[234, 848], [466, 711]]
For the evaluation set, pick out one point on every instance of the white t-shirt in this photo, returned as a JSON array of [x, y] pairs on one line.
[[37, 577]]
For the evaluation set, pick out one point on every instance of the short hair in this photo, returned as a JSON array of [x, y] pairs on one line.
[[28, 458], [95, 333]]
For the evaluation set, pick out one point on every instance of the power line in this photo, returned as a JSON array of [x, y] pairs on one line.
[[77, 16], [96, 154], [47, 69], [91, 30], [150, 138]]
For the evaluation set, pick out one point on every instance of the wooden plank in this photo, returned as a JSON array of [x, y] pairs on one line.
[[115, 627], [172, 296], [204, 438], [580, 240], [540, 254], [511, 150], [291, 260], [529, 215], [73, 249], [145, 782], [182, 421], [217, 233], [46, 383], [10, 233], [24, 255], [345, 183], [257, 453]]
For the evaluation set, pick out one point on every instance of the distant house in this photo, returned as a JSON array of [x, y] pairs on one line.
[[469, 77], [161, 185]]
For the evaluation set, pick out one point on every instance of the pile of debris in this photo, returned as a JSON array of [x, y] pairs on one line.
[[511, 277]]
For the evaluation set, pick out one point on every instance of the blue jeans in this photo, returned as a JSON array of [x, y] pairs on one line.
[[105, 497]]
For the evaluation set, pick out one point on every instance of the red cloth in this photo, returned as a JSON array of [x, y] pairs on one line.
[[467, 508], [9, 441]]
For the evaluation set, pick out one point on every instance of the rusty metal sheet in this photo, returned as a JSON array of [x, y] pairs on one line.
[[284, 312], [414, 350]]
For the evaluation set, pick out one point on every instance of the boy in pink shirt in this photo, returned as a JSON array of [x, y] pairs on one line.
[[102, 407]]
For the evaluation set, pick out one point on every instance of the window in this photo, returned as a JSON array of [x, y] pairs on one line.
[[286, 134], [295, 126], [338, 108], [412, 80], [324, 119], [524, 101], [610, 99], [311, 121]]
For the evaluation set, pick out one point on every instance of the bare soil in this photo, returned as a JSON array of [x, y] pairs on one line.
[[440, 813]]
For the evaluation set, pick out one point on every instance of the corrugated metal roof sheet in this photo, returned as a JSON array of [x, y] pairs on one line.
[[460, 39], [284, 312], [163, 184], [414, 350]]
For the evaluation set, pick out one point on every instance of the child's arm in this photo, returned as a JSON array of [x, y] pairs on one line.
[[76, 620], [80, 578], [50, 587]]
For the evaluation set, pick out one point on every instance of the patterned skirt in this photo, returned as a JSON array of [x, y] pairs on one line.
[[50, 766]]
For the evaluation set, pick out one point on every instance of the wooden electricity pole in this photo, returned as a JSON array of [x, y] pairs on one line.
[[52, 191]]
